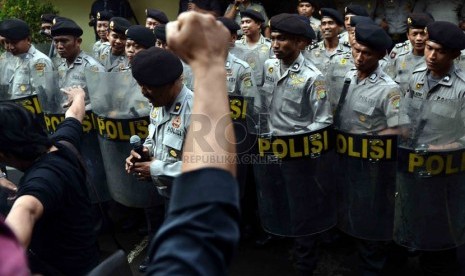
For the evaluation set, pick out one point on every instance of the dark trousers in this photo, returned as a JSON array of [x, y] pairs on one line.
[[435, 263], [373, 256], [305, 253]]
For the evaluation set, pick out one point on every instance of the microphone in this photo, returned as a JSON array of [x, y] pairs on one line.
[[137, 146]]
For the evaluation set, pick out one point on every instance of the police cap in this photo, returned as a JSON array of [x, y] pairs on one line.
[[419, 20], [310, 35], [230, 24], [372, 36], [157, 15], [312, 2], [14, 29], [104, 15], [255, 15], [47, 18], [355, 10], [156, 67], [160, 32], [290, 24], [357, 19], [66, 27], [141, 35], [448, 34], [333, 14], [119, 24]]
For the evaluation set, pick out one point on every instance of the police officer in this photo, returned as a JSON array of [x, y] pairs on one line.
[[101, 27], [31, 63], [402, 63], [235, 10], [308, 8], [321, 53], [369, 104], [349, 11], [434, 117], [392, 15], [295, 96], [67, 39], [46, 22], [253, 47], [112, 56], [448, 10], [154, 17]]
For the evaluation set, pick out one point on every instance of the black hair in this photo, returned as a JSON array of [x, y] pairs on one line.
[[21, 134]]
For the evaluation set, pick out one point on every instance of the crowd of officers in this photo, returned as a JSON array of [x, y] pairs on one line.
[[323, 104]]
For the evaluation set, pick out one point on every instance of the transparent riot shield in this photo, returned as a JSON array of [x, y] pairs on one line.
[[366, 120], [255, 58], [121, 111], [429, 204], [52, 100], [295, 193]]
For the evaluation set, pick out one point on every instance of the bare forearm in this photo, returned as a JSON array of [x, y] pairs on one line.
[[77, 109], [22, 218]]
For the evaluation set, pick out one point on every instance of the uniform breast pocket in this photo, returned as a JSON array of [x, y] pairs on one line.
[[292, 102], [364, 115], [172, 143], [443, 116]]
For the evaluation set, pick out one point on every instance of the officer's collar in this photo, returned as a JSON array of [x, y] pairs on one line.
[[447, 78], [178, 102], [372, 77], [79, 58], [29, 53], [297, 64]]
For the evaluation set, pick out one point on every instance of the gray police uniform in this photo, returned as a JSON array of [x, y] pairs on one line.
[[297, 100], [445, 10], [371, 104], [400, 48], [460, 61], [401, 67], [29, 70], [109, 61], [440, 122], [167, 131], [320, 57], [395, 12], [239, 77], [255, 56], [338, 67], [97, 46], [315, 24], [7, 67], [74, 74], [187, 76], [344, 39]]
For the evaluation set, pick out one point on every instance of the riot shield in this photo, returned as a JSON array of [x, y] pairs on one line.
[[364, 171], [255, 58], [121, 111], [429, 204], [52, 100], [294, 192]]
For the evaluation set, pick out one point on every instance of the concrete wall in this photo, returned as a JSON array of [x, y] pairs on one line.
[[79, 12]]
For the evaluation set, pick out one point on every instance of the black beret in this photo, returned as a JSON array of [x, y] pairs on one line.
[[312, 2], [156, 67], [448, 34], [119, 24], [230, 24], [47, 18], [372, 36], [104, 15], [160, 32], [141, 35], [419, 20], [356, 10], [333, 14], [310, 35], [14, 29], [255, 15], [157, 15], [57, 19], [289, 23], [66, 27], [357, 19]]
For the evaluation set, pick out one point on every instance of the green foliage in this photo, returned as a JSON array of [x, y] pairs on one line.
[[29, 11]]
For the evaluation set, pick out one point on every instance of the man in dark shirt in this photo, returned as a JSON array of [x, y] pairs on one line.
[[52, 214]]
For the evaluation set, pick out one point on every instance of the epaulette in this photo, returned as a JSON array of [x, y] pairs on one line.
[[314, 46], [420, 69], [401, 44], [241, 62]]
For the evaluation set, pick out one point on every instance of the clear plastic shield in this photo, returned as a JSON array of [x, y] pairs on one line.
[[429, 209], [255, 58], [52, 100], [121, 111], [295, 193], [365, 173]]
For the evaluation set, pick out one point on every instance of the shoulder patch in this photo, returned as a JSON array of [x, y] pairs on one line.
[[40, 66]]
